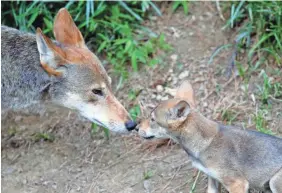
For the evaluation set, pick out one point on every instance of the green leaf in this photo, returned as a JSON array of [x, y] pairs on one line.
[[149, 46], [217, 51], [69, 4], [100, 9], [134, 61], [153, 62], [94, 128], [128, 46], [161, 38], [154, 6], [261, 40], [278, 41], [103, 36], [30, 8], [102, 46], [32, 18], [87, 12], [185, 5], [15, 16], [236, 13], [148, 175], [120, 41], [124, 5], [274, 54], [145, 5], [106, 133], [250, 13], [48, 23], [132, 95], [175, 5], [135, 112], [140, 55]]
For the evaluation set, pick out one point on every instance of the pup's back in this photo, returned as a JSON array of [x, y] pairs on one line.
[[259, 156], [22, 75]]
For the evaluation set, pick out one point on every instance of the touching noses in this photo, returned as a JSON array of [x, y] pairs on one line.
[[130, 125]]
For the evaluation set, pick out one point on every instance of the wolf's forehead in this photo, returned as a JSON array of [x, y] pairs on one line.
[[85, 57], [87, 61]]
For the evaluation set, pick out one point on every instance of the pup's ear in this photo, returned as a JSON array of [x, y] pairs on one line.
[[50, 54], [180, 111], [186, 92], [65, 30], [177, 115]]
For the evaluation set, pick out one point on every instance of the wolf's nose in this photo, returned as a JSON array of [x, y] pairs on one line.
[[130, 125]]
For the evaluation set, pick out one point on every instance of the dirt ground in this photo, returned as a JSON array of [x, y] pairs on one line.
[[76, 161]]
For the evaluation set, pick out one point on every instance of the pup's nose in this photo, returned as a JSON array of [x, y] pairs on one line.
[[130, 125]]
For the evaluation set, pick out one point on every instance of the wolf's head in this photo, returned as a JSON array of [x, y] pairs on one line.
[[79, 81], [168, 118]]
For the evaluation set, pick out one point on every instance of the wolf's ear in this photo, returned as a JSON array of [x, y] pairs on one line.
[[50, 54], [186, 92], [65, 30], [180, 111]]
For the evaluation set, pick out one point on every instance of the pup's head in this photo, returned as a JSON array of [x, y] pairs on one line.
[[79, 81], [167, 119]]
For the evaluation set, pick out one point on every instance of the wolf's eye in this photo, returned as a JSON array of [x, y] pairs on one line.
[[152, 119], [98, 92]]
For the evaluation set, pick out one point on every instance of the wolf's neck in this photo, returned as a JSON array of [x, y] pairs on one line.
[[198, 134], [22, 76]]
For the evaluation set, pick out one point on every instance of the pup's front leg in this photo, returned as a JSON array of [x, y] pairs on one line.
[[213, 186], [276, 182], [237, 185]]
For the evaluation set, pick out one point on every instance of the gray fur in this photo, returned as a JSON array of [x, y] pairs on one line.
[[22, 77], [25, 84], [232, 152], [249, 154], [239, 159]]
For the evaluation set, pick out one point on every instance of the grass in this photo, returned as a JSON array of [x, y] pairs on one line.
[[195, 182], [259, 32], [132, 95], [261, 122], [135, 111], [269, 90], [43, 136], [95, 128], [229, 115], [12, 131], [112, 29], [255, 51], [148, 174], [180, 4]]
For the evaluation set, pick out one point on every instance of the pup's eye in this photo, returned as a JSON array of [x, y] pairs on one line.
[[152, 119], [98, 92]]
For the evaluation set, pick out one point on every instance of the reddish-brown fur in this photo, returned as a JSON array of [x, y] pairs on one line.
[[117, 109], [50, 70], [71, 54], [65, 30]]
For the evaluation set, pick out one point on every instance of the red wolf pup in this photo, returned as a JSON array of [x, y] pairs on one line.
[[37, 70], [238, 159]]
